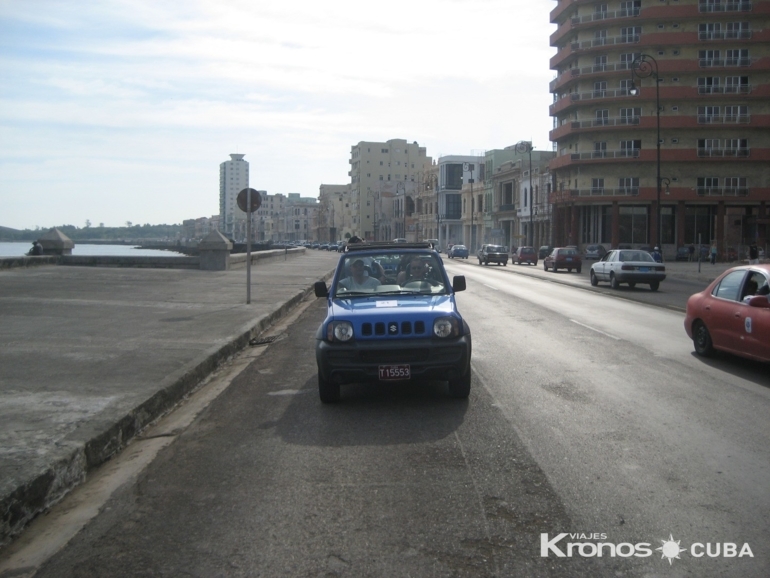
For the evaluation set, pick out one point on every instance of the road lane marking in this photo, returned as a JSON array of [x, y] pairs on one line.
[[594, 329], [490, 286]]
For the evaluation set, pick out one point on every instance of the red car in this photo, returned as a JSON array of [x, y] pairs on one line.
[[732, 314], [526, 255], [567, 258]]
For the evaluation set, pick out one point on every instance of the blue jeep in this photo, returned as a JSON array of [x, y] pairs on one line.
[[391, 315]]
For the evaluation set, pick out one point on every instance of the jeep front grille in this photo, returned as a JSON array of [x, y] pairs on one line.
[[393, 328]]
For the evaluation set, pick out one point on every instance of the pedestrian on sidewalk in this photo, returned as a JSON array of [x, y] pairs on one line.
[[753, 254], [714, 253], [657, 255], [691, 250]]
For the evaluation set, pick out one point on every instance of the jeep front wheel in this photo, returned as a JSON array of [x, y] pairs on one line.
[[328, 390], [461, 387]]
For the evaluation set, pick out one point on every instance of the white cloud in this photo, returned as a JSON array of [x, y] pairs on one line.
[[145, 99]]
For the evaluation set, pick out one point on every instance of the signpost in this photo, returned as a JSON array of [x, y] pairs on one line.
[[248, 201]]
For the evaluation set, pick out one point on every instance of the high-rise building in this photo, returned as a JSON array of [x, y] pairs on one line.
[[661, 114], [383, 188], [233, 178]]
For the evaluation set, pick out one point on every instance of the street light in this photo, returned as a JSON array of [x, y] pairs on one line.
[[526, 147], [401, 185], [645, 66], [470, 167]]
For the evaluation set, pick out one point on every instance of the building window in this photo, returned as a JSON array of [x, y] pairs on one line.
[[626, 60], [600, 150], [597, 186], [602, 117], [630, 148], [633, 224], [630, 34], [737, 84], [628, 185], [708, 114], [707, 58], [709, 85], [737, 57], [737, 113]]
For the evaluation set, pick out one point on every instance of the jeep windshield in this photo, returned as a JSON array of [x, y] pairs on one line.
[[495, 249], [389, 273]]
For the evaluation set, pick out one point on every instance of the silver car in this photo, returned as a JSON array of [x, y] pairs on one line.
[[628, 266]]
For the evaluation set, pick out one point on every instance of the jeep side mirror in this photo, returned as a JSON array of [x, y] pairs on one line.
[[458, 283], [320, 289]]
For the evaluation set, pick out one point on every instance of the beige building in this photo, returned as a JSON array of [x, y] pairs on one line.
[[661, 114], [383, 188]]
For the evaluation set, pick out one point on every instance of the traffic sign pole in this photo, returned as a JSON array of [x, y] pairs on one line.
[[249, 201]]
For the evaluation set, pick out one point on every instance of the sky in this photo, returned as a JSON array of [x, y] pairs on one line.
[[117, 111]]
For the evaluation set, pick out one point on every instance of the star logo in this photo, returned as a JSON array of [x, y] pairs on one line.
[[670, 549]]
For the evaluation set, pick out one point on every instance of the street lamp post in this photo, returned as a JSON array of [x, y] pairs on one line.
[[526, 147], [470, 167], [645, 66], [400, 185]]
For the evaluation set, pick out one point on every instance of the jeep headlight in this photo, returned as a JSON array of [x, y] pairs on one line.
[[446, 327], [339, 331]]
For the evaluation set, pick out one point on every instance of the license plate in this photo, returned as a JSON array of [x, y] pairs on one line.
[[644, 269], [569, 258], [393, 372]]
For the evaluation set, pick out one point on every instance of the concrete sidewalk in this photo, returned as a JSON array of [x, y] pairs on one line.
[[90, 355]]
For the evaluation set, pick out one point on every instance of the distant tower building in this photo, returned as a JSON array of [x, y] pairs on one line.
[[233, 178]]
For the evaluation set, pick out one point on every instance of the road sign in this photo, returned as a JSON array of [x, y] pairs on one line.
[[256, 200]]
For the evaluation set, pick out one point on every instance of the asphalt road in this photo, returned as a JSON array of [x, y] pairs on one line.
[[589, 414]]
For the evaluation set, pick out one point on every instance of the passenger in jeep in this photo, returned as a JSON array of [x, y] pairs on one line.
[[358, 281]]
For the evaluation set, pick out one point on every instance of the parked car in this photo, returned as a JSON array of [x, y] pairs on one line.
[[399, 240], [524, 255], [544, 251], [458, 251], [594, 252], [323, 247], [732, 314], [492, 254], [332, 247], [682, 254], [341, 247], [377, 330], [563, 258], [628, 266]]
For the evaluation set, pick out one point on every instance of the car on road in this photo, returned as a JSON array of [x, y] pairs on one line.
[[544, 251], [492, 254], [568, 258], [683, 254], [594, 252], [434, 242], [732, 314], [458, 252], [378, 330], [629, 266], [524, 255]]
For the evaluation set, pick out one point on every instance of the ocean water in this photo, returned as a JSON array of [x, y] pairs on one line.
[[18, 249]]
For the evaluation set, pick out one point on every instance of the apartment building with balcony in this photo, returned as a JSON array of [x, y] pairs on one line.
[[661, 110]]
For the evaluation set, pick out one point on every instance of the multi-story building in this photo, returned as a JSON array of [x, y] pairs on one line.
[[661, 114], [383, 188], [454, 171], [233, 178], [335, 222], [517, 210]]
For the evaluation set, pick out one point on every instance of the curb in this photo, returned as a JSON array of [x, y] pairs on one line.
[[33, 497]]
